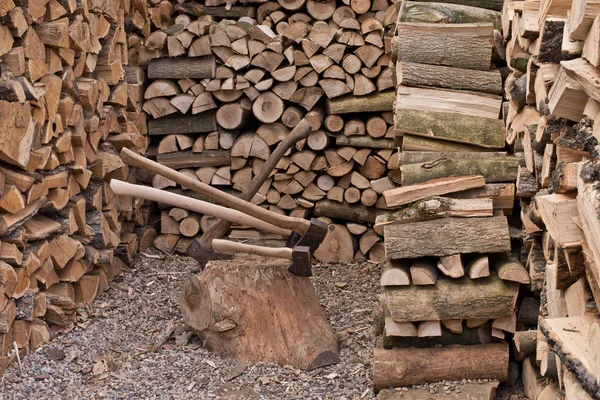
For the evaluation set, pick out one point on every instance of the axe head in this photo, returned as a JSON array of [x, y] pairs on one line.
[[312, 238], [301, 262], [204, 255]]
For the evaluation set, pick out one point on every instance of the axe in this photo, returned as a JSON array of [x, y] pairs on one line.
[[305, 233], [299, 255]]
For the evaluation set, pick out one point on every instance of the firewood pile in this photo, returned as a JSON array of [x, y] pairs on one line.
[[68, 103], [451, 282], [552, 123], [449, 258], [260, 69]]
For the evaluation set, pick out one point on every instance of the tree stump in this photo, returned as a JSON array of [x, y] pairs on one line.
[[252, 308]]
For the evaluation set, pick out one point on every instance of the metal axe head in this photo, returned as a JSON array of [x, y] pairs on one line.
[[312, 238], [203, 255], [301, 261]]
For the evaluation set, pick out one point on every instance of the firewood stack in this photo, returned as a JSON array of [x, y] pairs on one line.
[[552, 122], [267, 66], [68, 103], [451, 279]]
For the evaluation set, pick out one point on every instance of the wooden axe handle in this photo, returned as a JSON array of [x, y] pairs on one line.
[[199, 206], [225, 199], [227, 246]]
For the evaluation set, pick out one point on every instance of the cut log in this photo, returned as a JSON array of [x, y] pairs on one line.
[[380, 101], [440, 237], [461, 298], [187, 124], [436, 187], [412, 74], [185, 68], [571, 339], [448, 13], [509, 268], [231, 326], [492, 169], [447, 101], [456, 45], [395, 273], [423, 272], [406, 367], [451, 266], [480, 131], [478, 267]]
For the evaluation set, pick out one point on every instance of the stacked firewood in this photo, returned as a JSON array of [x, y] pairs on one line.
[[552, 122], [264, 68], [68, 103], [451, 278]]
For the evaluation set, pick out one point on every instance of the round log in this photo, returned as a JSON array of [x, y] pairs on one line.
[[268, 107], [249, 307]]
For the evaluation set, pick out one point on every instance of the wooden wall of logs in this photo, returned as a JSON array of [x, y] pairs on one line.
[[552, 122], [225, 86], [69, 100]]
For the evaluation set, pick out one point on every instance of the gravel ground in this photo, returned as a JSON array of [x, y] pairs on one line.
[[132, 344]]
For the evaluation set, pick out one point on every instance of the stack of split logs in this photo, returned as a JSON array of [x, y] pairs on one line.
[[451, 279], [68, 103], [552, 119], [226, 86]]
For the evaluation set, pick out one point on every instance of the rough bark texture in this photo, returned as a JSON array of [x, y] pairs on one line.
[[568, 338], [412, 74], [446, 13], [182, 124], [492, 169], [486, 132], [447, 236], [184, 68], [257, 311], [383, 101], [345, 211], [464, 298], [443, 44], [406, 367]]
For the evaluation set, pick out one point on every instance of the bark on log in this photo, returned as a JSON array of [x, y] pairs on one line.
[[487, 4], [406, 367], [413, 74], [461, 46], [463, 298], [344, 211], [183, 124], [448, 13], [183, 68], [383, 101], [494, 170], [447, 236], [250, 307], [479, 131]]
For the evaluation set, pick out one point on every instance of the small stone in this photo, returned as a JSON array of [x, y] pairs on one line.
[[341, 284]]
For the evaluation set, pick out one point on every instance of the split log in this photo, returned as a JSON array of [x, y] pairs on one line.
[[406, 367], [575, 341], [456, 45], [412, 74], [492, 169], [441, 237], [186, 124], [380, 101], [436, 187], [232, 326], [184, 68], [461, 298]]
